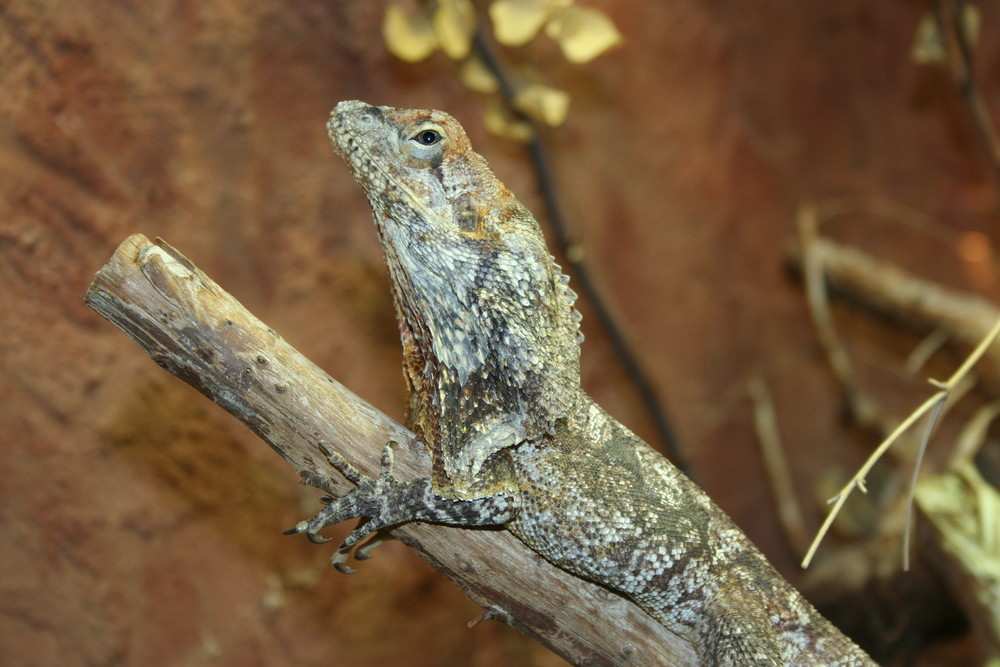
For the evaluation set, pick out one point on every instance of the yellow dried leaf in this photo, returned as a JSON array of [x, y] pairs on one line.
[[543, 103], [501, 124], [477, 77], [971, 20], [583, 33], [455, 26], [409, 37], [515, 22], [927, 47]]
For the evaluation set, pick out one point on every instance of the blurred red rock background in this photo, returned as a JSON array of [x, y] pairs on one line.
[[141, 525]]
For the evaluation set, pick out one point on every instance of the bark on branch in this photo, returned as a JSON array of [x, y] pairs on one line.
[[201, 334]]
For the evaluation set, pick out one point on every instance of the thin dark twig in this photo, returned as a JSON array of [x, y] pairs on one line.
[[950, 17], [546, 186]]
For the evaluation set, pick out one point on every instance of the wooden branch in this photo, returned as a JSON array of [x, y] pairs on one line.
[[201, 334], [967, 318]]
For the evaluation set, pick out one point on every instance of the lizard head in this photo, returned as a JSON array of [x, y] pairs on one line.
[[488, 323], [418, 165]]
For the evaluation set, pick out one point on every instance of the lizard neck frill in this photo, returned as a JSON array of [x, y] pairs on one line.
[[490, 335], [471, 357]]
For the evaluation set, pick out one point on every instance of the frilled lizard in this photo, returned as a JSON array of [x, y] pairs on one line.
[[491, 355]]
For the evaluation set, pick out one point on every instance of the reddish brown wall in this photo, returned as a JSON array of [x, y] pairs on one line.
[[142, 525]]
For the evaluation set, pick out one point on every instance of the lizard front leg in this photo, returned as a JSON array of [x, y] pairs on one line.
[[384, 502]]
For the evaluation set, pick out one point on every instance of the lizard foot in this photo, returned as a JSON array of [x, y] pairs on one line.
[[375, 501], [385, 502]]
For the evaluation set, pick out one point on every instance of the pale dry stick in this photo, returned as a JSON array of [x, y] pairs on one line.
[[862, 405], [776, 464], [973, 435], [927, 348], [824, 261], [953, 315], [965, 317], [197, 331], [935, 403], [889, 289], [971, 438]]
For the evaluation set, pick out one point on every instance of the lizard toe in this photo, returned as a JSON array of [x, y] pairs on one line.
[[339, 561], [364, 551]]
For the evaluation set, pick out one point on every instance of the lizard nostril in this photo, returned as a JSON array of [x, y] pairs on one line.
[[369, 116]]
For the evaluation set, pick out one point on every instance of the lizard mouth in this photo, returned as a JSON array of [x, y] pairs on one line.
[[349, 121], [342, 127], [343, 121]]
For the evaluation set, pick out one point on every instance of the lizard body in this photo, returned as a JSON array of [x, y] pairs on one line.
[[491, 347]]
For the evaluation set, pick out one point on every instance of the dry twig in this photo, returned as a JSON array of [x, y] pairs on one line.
[[776, 464], [813, 270]]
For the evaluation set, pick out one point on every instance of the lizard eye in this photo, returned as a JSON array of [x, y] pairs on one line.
[[427, 137]]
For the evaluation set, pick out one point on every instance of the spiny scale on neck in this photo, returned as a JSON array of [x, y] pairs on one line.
[[491, 338]]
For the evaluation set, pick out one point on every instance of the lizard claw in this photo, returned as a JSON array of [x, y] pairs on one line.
[[339, 561], [304, 527], [370, 502], [316, 538]]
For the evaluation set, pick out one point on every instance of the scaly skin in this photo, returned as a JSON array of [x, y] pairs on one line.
[[491, 350]]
